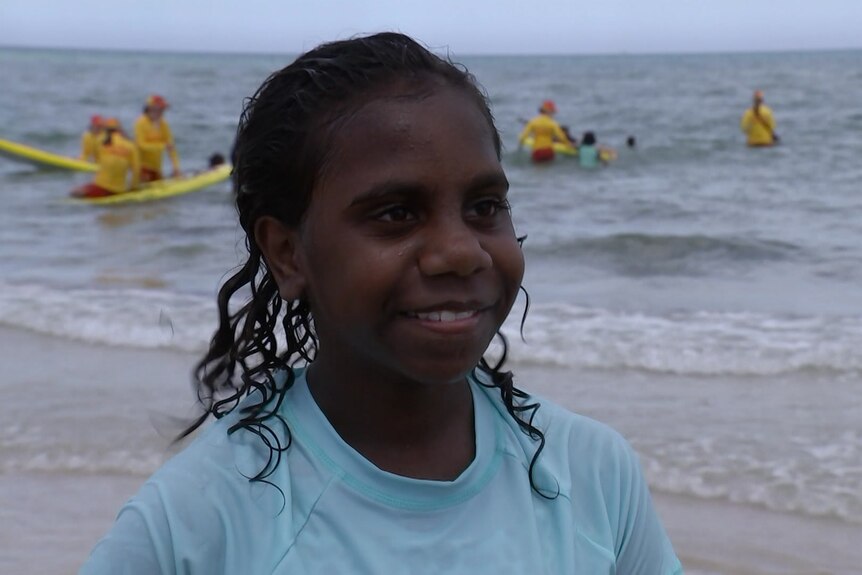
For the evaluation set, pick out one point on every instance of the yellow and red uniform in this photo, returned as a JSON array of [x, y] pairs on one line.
[[759, 126], [152, 138], [91, 138], [116, 159], [545, 131], [90, 145]]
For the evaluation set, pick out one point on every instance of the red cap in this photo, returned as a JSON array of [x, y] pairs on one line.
[[96, 120], [548, 107], [111, 124], [156, 101]]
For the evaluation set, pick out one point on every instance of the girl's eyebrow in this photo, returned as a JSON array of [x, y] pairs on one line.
[[387, 188], [496, 179]]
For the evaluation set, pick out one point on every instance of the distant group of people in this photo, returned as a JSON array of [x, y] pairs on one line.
[[758, 124], [123, 163], [546, 133]]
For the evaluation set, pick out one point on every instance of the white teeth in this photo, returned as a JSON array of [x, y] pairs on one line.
[[444, 315]]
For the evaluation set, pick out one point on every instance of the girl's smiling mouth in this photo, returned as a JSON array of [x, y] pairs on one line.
[[443, 316]]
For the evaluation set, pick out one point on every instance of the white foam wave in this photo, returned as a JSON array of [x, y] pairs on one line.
[[124, 317], [692, 343], [818, 481], [116, 462]]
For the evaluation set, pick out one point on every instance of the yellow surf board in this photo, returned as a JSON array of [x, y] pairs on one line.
[[32, 155], [164, 188], [559, 147], [606, 154]]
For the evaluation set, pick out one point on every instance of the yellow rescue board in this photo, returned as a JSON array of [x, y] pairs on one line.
[[606, 154], [32, 155], [559, 147], [163, 188]]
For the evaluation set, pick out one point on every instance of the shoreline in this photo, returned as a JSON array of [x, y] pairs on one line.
[[716, 537], [68, 512]]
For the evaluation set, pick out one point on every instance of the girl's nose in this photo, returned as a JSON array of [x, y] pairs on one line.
[[453, 249]]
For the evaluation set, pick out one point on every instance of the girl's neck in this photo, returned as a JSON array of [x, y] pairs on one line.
[[417, 430]]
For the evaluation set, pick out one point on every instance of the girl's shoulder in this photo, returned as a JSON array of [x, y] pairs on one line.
[[579, 452], [556, 422]]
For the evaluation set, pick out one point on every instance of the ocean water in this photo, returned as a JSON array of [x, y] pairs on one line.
[[700, 296]]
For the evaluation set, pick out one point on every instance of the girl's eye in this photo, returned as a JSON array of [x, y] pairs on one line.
[[490, 207], [394, 214]]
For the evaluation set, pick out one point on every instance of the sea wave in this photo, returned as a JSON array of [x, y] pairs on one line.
[[640, 254], [127, 317], [817, 481], [560, 335], [687, 342], [65, 462]]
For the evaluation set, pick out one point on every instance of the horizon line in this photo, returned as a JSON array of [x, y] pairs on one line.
[[205, 52]]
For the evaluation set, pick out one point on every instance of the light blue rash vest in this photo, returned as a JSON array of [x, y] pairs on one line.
[[336, 512], [588, 156]]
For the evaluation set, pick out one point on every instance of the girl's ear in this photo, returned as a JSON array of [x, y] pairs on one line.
[[278, 243]]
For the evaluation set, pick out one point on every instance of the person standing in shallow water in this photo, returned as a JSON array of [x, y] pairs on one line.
[[758, 123], [378, 437], [90, 139], [153, 137], [545, 131]]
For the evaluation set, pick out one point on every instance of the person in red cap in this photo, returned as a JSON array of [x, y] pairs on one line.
[[90, 140], [758, 123], [545, 131], [153, 137], [118, 159]]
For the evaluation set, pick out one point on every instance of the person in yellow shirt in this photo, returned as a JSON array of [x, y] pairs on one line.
[[90, 140], [153, 137], [545, 131], [118, 158], [758, 123]]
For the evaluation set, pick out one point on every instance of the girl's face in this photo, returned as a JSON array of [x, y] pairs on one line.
[[407, 254]]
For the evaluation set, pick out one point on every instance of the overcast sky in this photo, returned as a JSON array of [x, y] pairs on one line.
[[463, 26]]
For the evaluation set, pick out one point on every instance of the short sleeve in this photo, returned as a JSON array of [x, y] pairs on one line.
[[642, 546], [130, 548]]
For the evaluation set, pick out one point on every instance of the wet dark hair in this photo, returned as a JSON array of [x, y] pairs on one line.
[[588, 139], [281, 150]]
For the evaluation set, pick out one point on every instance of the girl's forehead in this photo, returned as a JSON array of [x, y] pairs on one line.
[[410, 112], [432, 139]]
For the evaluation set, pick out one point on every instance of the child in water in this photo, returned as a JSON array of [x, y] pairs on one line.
[[591, 154], [359, 429], [588, 152]]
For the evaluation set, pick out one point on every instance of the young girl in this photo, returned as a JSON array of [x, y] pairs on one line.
[[358, 428]]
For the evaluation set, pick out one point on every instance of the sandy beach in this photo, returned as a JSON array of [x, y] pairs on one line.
[[67, 512]]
